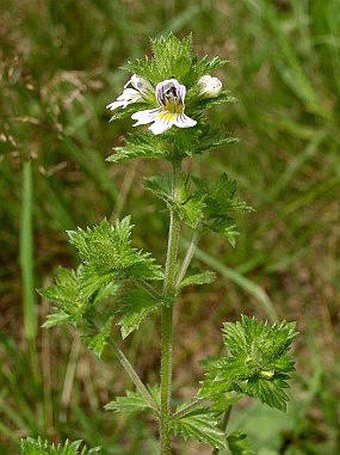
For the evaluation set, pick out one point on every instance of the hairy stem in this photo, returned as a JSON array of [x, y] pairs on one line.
[[69, 377], [224, 425], [188, 258], [167, 322]]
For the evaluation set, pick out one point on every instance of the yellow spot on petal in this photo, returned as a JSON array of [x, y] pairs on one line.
[[167, 116], [174, 106]]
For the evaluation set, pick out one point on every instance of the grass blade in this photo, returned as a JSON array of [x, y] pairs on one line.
[[26, 254], [243, 282]]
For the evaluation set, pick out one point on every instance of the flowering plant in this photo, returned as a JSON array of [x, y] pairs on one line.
[[118, 283]]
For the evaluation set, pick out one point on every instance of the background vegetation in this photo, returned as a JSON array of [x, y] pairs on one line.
[[59, 68]]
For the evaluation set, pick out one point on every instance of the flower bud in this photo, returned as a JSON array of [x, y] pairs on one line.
[[141, 85], [209, 87]]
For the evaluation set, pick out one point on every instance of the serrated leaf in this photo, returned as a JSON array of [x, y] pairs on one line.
[[107, 254], [172, 57], [39, 446], [198, 279], [98, 341], [137, 305], [66, 292], [140, 145], [55, 319], [161, 187], [207, 206], [221, 206], [201, 425], [259, 362], [133, 402], [223, 98], [191, 211], [188, 205], [74, 296]]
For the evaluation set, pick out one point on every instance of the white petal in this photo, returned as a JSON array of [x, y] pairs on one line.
[[128, 96], [204, 80], [182, 92], [115, 105], [141, 84], [183, 121], [129, 81], [161, 125], [144, 117]]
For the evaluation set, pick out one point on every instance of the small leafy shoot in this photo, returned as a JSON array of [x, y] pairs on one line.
[[39, 446], [259, 362], [238, 444]]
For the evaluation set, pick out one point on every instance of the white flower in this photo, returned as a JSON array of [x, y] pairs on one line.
[[140, 89], [170, 95], [209, 86]]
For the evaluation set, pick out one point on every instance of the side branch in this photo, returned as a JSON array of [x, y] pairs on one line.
[[134, 377]]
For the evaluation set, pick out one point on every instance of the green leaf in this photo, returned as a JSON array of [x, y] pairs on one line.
[[205, 103], [98, 341], [133, 402], [66, 292], [173, 144], [222, 205], [198, 279], [173, 57], [75, 297], [239, 444], [91, 312], [188, 205], [200, 425], [107, 254], [137, 305], [200, 205], [259, 362], [59, 317], [192, 209], [140, 145], [39, 446], [161, 187]]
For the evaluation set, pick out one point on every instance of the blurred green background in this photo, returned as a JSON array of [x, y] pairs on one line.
[[59, 68]]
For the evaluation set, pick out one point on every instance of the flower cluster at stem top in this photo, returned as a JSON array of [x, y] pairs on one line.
[[170, 97]]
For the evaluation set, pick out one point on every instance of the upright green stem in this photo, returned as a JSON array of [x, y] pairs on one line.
[[225, 422], [167, 322]]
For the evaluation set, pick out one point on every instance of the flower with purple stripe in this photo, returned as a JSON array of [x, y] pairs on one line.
[[170, 95]]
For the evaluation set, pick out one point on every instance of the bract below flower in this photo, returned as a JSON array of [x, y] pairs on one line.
[[170, 95], [141, 88], [209, 86]]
